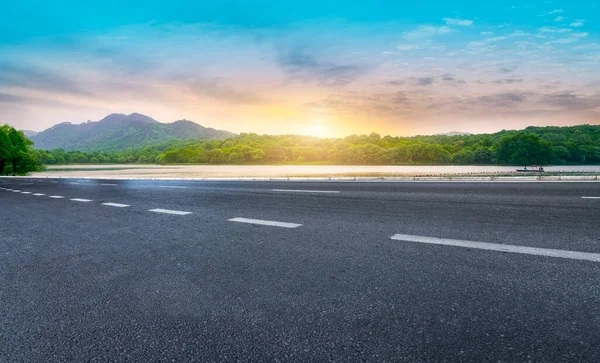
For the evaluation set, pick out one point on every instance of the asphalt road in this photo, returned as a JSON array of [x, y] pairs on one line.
[[298, 271]]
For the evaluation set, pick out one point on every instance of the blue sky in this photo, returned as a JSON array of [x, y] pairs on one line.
[[327, 68]]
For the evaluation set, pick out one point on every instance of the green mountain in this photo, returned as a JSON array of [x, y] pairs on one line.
[[119, 131]]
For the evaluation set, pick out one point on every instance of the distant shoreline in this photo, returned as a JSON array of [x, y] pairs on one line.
[[137, 171]]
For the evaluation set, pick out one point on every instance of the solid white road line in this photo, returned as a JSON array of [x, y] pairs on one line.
[[170, 186], [109, 185], [168, 211], [305, 191], [586, 256], [590, 197], [81, 200], [56, 196], [118, 205], [265, 223], [25, 192], [38, 194]]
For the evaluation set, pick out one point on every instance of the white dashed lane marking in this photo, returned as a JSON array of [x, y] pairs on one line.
[[109, 185], [265, 223], [25, 192], [56, 196], [590, 197], [38, 194], [168, 211], [575, 255], [16, 191], [306, 191], [81, 200], [171, 186], [118, 205]]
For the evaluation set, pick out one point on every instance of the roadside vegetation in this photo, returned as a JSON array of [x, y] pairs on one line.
[[17, 157], [533, 145]]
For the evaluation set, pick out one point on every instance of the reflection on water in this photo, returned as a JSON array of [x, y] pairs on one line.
[[199, 171]]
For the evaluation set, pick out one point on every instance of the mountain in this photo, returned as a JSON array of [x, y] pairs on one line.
[[454, 133], [30, 133], [119, 131]]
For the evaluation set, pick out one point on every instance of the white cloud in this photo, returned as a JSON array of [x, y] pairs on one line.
[[486, 33], [558, 19], [562, 41], [458, 22], [578, 23], [555, 11], [592, 46], [426, 31], [519, 33], [486, 41], [579, 35], [547, 29], [405, 47]]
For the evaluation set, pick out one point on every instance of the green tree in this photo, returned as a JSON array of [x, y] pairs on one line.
[[5, 148], [16, 152], [523, 149]]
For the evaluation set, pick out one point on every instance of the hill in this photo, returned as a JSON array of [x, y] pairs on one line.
[[455, 133], [119, 131], [29, 133]]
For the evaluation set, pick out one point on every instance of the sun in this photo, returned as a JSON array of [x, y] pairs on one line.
[[317, 129]]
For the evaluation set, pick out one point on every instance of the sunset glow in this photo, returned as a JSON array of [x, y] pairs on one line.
[[317, 68]]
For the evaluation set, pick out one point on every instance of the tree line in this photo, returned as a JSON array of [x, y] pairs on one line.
[[533, 145], [17, 157]]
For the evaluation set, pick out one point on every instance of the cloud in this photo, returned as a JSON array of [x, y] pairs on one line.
[[558, 19], [36, 101], [507, 69], [31, 77], [395, 83], [399, 98], [501, 100], [214, 88], [405, 47], [579, 35], [552, 12], [8, 98], [563, 41], [426, 32], [423, 81], [300, 64], [547, 29], [486, 41], [578, 23], [458, 22], [508, 81], [592, 46], [572, 101]]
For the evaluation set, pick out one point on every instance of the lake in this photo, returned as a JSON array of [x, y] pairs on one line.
[[234, 171]]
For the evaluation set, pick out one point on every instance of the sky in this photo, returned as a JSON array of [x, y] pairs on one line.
[[322, 68]]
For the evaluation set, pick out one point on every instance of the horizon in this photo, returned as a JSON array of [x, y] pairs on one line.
[[325, 69], [457, 132]]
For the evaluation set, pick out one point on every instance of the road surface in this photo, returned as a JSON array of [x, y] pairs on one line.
[[114, 270]]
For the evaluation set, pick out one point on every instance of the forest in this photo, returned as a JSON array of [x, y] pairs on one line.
[[533, 145], [17, 157]]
